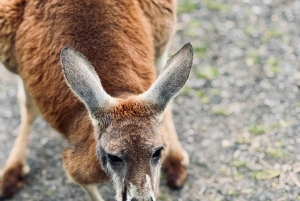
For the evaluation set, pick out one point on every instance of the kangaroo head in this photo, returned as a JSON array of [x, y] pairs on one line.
[[129, 144], [130, 151]]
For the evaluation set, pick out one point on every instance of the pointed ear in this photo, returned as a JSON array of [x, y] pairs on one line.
[[84, 81], [172, 79]]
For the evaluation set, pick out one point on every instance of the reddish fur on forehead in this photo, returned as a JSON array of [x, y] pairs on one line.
[[131, 107]]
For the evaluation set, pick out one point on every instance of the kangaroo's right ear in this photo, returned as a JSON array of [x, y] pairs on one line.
[[84, 82]]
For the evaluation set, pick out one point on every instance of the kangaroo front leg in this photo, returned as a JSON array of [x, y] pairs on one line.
[[83, 167], [176, 157], [16, 166], [93, 192]]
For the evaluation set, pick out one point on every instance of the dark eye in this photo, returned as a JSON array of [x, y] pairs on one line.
[[114, 158], [157, 153]]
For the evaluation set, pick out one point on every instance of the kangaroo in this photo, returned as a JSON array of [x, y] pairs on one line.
[[88, 67]]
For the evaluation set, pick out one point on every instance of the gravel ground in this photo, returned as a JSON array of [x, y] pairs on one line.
[[237, 118]]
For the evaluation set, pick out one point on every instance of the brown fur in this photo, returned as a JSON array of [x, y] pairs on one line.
[[130, 108], [14, 179], [162, 17], [11, 16], [119, 38], [131, 63], [176, 173], [82, 163]]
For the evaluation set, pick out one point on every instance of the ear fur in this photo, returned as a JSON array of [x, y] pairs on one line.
[[84, 81], [172, 79]]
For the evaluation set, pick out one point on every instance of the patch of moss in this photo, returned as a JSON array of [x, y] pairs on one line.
[[165, 197], [186, 89], [205, 100], [243, 140], [215, 91], [266, 175], [238, 163], [220, 111], [249, 30], [275, 152], [195, 24], [207, 73], [273, 63], [257, 129], [190, 33], [215, 5], [200, 51], [186, 6], [271, 34], [253, 58], [238, 176], [232, 192]]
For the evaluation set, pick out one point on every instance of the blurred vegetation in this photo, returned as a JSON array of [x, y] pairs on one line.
[[207, 72]]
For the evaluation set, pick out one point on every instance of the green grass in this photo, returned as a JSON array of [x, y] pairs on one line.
[[205, 100], [207, 73], [253, 58], [216, 5], [202, 96], [265, 175], [186, 90], [274, 126], [186, 6], [190, 33], [165, 197], [200, 93], [238, 176], [238, 163], [215, 91], [249, 30], [257, 129], [273, 63], [243, 140], [275, 152], [276, 33], [220, 111], [271, 34], [200, 51], [232, 192], [195, 24], [213, 28]]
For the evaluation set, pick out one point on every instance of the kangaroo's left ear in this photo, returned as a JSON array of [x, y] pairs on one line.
[[172, 79]]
